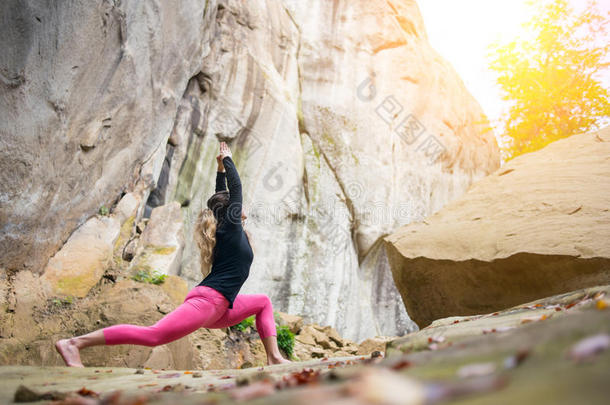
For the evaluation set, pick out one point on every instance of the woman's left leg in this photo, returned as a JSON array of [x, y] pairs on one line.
[[259, 305], [201, 307]]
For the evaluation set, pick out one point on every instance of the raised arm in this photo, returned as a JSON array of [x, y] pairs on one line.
[[234, 209], [234, 182], [220, 175], [220, 181]]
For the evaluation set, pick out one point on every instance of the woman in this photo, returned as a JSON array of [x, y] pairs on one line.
[[213, 303]]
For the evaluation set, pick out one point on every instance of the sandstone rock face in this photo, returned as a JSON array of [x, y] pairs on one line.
[[88, 93], [538, 226], [305, 95], [343, 121], [81, 262]]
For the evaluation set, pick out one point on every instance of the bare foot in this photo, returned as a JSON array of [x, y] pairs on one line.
[[69, 352], [277, 360]]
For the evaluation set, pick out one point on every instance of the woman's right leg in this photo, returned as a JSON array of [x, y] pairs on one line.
[[202, 307], [259, 305]]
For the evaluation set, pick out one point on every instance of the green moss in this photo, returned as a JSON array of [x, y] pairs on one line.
[[195, 167], [328, 139], [300, 116], [71, 284], [125, 233], [164, 250], [104, 210], [145, 276], [61, 302]]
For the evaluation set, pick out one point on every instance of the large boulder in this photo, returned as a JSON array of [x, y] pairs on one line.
[[161, 244], [538, 226], [81, 262]]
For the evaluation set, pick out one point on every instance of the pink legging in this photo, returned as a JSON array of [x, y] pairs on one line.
[[203, 307]]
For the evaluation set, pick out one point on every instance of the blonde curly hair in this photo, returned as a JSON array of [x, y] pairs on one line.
[[205, 229]]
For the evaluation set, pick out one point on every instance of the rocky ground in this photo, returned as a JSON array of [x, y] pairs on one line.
[[549, 351]]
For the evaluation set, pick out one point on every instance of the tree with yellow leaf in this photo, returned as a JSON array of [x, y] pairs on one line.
[[552, 76]]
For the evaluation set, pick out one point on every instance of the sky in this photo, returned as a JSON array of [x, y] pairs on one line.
[[461, 30]]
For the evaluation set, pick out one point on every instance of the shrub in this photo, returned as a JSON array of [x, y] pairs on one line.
[[104, 210], [245, 324], [285, 340]]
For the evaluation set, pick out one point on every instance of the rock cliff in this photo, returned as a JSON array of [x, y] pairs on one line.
[[538, 226], [344, 123]]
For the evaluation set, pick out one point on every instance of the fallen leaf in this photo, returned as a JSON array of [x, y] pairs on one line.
[[436, 339], [87, 393], [400, 365], [476, 370], [225, 377], [305, 376], [601, 304], [535, 318], [147, 385], [581, 301], [599, 295], [587, 348], [174, 388]]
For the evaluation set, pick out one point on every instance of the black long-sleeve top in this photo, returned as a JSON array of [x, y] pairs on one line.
[[232, 255]]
